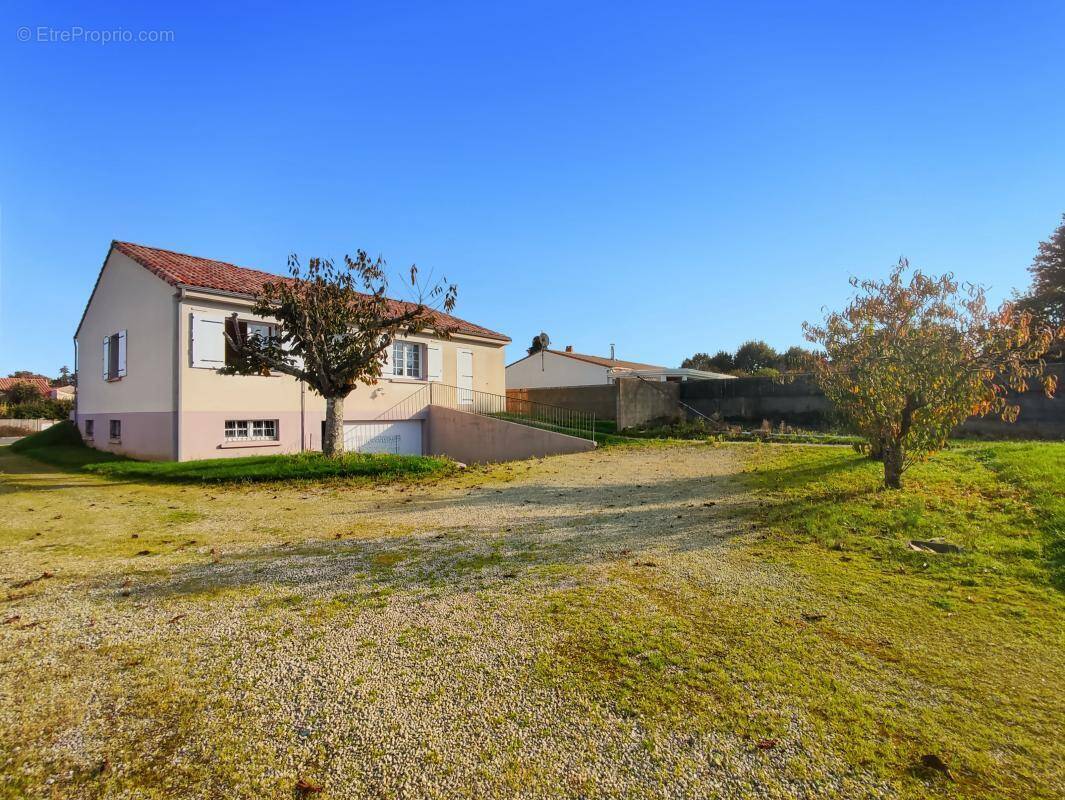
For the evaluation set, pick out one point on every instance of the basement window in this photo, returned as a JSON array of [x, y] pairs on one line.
[[90, 426], [251, 430], [115, 431]]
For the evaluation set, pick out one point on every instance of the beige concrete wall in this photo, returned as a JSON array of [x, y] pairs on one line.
[[129, 297], [476, 439], [556, 371], [207, 398]]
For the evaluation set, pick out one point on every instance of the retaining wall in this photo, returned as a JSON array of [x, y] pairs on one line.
[[477, 439]]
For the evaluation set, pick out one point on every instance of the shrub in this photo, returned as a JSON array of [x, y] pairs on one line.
[[41, 408]]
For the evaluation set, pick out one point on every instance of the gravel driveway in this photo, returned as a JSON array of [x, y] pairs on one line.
[[384, 642]]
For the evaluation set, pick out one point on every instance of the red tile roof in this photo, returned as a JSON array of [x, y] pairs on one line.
[[179, 269], [43, 385], [605, 362]]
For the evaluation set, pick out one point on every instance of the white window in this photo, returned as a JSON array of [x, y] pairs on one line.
[[240, 329], [114, 356], [251, 430], [407, 359]]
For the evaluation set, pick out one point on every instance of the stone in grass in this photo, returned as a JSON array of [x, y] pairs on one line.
[[935, 546]]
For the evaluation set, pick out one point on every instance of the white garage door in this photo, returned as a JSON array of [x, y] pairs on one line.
[[402, 438]]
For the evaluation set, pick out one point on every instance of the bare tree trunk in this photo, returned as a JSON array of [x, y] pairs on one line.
[[333, 438], [893, 455]]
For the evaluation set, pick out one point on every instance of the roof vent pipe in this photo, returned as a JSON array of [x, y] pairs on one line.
[[612, 351]]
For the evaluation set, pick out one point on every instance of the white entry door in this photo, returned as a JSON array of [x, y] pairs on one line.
[[402, 438], [465, 377]]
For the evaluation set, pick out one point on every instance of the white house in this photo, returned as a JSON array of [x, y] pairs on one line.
[[151, 342], [550, 368]]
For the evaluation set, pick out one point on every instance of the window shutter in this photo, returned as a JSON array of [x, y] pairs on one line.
[[121, 353], [107, 357], [208, 341], [386, 359], [436, 362], [287, 346]]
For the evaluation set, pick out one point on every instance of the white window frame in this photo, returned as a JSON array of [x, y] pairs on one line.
[[267, 330], [402, 365], [251, 430]]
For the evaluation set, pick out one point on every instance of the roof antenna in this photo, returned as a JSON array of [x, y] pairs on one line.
[[545, 342]]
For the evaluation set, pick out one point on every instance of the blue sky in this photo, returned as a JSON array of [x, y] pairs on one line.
[[666, 177]]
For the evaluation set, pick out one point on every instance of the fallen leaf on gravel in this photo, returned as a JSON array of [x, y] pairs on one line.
[[11, 619], [176, 618], [644, 564], [766, 744], [144, 552], [813, 617], [305, 786]]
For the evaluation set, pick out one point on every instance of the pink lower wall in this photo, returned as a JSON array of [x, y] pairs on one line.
[[203, 434], [476, 439], [147, 435]]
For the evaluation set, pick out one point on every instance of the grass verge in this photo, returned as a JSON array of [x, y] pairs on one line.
[[61, 446]]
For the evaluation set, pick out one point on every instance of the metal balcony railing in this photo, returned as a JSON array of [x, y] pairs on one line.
[[510, 409]]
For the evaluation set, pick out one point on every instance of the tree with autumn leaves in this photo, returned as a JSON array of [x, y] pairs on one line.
[[912, 357], [335, 326]]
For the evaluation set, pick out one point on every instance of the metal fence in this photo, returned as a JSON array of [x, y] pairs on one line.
[[523, 412]]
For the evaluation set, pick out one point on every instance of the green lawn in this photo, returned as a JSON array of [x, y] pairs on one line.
[[875, 653], [61, 446], [665, 619]]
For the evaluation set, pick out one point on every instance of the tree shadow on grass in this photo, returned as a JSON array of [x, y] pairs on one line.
[[797, 475], [19, 473]]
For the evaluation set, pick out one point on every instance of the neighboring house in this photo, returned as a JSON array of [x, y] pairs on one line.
[[551, 368], [62, 392], [151, 341], [41, 384]]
